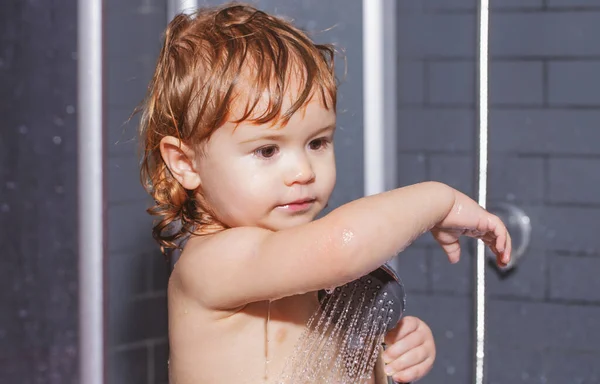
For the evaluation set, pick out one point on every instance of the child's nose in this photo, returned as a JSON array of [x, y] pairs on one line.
[[301, 173]]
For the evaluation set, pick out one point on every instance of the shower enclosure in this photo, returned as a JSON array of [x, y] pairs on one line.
[[543, 114]]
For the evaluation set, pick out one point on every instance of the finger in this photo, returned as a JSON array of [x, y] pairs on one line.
[[404, 347], [503, 247], [453, 252], [406, 326], [507, 250], [500, 233], [451, 248], [409, 359], [412, 373]]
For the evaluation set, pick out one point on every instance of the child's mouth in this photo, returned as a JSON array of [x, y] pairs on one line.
[[298, 206]]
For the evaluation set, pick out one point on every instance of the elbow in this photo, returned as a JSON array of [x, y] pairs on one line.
[[345, 250]]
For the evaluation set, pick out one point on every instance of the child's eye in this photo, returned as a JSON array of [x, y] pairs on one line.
[[317, 144], [267, 151]]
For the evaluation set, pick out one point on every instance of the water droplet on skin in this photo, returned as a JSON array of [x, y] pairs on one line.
[[347, 236], [267, 340]]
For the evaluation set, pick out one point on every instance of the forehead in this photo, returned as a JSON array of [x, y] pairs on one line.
[[265, 92], [311, 116]]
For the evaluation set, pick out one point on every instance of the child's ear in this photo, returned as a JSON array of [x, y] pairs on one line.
[[180, 159]]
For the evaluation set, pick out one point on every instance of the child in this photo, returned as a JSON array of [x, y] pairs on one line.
[[238, 131]]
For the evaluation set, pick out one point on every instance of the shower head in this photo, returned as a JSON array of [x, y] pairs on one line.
[[376, 297], [346, 333]]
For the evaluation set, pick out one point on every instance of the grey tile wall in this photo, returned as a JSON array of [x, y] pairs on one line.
[[138, 273], [542, 320], [38, 193]]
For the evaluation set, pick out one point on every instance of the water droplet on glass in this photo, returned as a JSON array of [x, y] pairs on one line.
[[5, 208], [70, 109], [56, 140], [11, 185], [58, 121], [450, 370], [23, 130], [449, 334]]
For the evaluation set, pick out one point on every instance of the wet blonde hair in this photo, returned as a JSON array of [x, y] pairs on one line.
[[209, 60]]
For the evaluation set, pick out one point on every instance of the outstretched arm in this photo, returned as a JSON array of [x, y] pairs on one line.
[[243, 265]]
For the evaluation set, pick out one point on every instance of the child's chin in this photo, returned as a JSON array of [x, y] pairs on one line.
[[290, 222]]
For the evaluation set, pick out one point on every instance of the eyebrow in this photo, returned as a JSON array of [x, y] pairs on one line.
[[274, 136]]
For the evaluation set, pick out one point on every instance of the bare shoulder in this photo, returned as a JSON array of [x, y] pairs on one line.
[[208, 252], [203, 265]]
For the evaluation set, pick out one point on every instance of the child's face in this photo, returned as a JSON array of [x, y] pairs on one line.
[[268, 176]]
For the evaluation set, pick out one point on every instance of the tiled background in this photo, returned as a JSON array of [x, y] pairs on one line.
[[545, 108], [544, 125], [38, 192]]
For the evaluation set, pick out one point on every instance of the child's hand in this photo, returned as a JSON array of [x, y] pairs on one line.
[[467, 218], [410, 352]]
